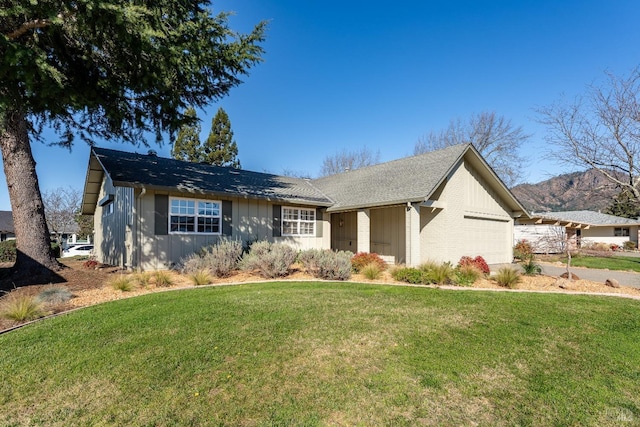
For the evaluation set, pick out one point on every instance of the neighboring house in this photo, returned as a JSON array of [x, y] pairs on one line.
[[546, 230], [7, 231], [150, 212]]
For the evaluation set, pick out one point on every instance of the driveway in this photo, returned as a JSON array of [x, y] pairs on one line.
[[625, 278]]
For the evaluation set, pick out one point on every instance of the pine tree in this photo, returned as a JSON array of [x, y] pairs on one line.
[[624, 205], [220, 148], [187, 144]]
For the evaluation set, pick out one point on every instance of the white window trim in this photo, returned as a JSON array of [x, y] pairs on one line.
[[196, 216], [298, 221]]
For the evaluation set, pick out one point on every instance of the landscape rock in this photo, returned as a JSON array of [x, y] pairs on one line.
[[573, 276], [613, 283], [563, 283]]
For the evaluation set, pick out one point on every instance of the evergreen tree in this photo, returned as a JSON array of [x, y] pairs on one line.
[[187, 144], [110, 69], [220, 148], [624, 205]]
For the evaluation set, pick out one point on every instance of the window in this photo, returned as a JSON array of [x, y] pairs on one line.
[[621, 231], [107, 209], [298, 222], [194, 216]]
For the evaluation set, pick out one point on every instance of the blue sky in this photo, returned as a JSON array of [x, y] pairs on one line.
[[348, 74]]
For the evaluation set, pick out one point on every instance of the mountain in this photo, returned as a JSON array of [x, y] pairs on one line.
[[588, 190]]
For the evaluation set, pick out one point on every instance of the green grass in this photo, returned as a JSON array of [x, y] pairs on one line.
[[327, 354], [611, 263]]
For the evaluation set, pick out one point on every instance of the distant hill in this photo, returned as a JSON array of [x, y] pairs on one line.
[[573, 191]]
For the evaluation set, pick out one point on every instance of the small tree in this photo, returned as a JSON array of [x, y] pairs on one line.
[[624, 205], [187, 143], [220, 148], [61, 206], [349, 160]]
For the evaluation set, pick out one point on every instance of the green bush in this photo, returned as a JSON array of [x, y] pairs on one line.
[[56, 249], [56, 295], [629, 245], [270, 259], [326, 264], [8, 251], [412, 275], [530, 267], [508, 277], [362, 259], [22, 308], [466, 275], [221, 259]]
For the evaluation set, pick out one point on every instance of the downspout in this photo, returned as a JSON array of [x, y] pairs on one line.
[[138, 234]]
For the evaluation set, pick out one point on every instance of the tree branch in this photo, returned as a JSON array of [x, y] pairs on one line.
[[36, 23]]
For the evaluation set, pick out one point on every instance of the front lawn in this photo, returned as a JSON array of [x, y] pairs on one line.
[[612, 263], [328, 354]]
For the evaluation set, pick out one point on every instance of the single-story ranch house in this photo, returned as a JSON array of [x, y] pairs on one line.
[[150, 212], [546, 231]]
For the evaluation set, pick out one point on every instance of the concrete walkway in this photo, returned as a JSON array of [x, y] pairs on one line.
[[625, 278]]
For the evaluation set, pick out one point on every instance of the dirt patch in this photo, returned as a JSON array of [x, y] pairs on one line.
[[90, 286]]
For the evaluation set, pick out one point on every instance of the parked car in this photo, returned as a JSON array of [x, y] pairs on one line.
[[78, 250]]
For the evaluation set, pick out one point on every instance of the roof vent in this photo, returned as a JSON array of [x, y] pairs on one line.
[[152, 153]]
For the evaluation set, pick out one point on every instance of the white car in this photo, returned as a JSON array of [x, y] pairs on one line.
[[78, 250]]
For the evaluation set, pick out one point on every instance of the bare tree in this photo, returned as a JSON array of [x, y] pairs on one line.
[[600, 130], [349, 160], [61, 206], [493, 136]]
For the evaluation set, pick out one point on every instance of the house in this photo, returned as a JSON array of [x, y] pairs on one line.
[[7, 231], [150, 212], [547, 230]]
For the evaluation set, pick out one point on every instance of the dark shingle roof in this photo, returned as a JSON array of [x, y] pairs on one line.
[[140, 170], [409, 179]]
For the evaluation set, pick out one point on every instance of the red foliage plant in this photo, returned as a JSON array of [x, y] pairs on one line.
[[477, 262], [90, 264], [361, 259]]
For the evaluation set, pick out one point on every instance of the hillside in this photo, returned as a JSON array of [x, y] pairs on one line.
[[573, 191]]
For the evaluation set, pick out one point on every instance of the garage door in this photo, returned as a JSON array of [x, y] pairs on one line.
[[489, 238]]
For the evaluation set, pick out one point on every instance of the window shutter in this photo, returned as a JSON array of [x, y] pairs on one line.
[[277, 220], [227, 226], [161, 215], [318, 222]]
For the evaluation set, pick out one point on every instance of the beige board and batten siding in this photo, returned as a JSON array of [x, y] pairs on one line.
[[474, 221], [113, 245], [251, 220]]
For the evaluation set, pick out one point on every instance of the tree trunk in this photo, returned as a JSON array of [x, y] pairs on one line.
[[34, 256]]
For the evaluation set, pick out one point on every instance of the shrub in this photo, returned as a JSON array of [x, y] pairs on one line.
[[56, 295], [629, 245], [142, 279], [362, 259], [441, 274], [8, 251], [522, 250], [90, 264], [22, 308], [466, 275], [508, 277], [371, 271], [200, 278], [326, 264], [412, 275], [530, 267], [478, 262], [56, 249], [220, 259], [122, 283], [270, 259], [614, 247], [162, 278]]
